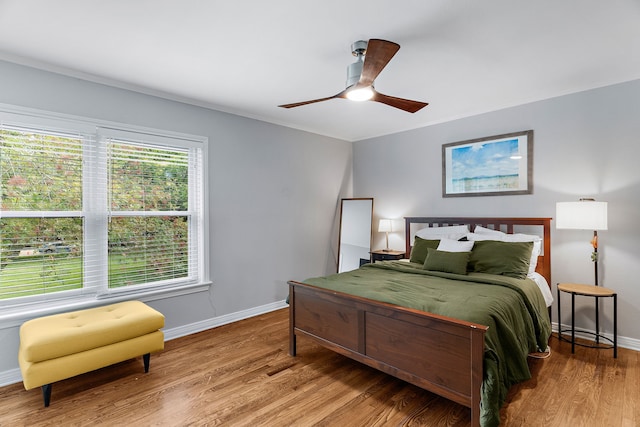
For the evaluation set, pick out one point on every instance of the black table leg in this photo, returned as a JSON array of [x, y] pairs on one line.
[[559, 318], [615, 326], [597, 320], [573, 322]]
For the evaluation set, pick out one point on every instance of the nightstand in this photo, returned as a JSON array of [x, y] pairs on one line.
[[596, 292], [389, 255]]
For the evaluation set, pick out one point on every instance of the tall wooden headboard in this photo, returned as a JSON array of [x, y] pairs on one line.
[[538, 226]]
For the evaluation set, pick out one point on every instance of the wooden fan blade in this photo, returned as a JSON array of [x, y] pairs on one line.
[[313, 101], [379, 53], [403, 104]]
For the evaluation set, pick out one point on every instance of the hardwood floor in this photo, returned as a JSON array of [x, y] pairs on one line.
[[241, 375]]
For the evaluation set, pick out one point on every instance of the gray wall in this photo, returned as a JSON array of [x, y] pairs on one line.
[[273, 191], [585, 144]]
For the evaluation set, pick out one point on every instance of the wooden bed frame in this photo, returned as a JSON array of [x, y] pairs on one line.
[[438, 353]]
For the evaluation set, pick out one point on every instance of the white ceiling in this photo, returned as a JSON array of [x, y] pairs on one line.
[[464, 57]]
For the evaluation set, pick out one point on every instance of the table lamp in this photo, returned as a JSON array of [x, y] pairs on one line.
[[386, 225]]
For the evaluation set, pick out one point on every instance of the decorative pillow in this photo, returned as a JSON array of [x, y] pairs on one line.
[[535, 252], [502, 258], [448, 262], [436, 233], [419, 249], [504, 237], [449, 245]]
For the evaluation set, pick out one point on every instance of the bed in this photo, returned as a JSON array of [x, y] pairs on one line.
[[371, 316]]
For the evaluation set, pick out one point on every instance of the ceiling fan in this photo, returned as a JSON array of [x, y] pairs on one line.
[[372, 56]]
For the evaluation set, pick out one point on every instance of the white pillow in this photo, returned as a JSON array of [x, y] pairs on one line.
[[448, 245], [522, 238], [454, 232], [477, 237], [482, 230]]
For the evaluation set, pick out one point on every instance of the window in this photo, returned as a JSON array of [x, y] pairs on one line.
[[152, 210], [41, 223], [98, 213]]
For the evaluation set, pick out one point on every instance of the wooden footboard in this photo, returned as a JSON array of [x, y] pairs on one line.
[[437, 353]]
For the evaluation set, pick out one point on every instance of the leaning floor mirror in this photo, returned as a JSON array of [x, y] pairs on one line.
[[354, 240]]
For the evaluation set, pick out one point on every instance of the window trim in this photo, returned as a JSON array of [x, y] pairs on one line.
[[38, 119]]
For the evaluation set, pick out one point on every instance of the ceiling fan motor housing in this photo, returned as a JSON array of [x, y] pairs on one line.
[[353, 73], [358, 49]]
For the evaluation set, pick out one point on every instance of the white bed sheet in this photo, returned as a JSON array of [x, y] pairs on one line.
[[544, 287]]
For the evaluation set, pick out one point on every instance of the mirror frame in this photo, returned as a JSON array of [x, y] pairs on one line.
[[340, 229]]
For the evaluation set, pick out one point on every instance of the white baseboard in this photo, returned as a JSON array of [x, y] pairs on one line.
[[13, 376], [181, 331]]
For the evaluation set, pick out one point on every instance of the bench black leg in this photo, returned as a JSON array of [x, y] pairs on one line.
[[46, 394], [46, 389], [146, 359]]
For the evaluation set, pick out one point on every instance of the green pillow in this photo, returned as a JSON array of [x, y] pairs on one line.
[[449, 262], [502, 258], [419, 249]]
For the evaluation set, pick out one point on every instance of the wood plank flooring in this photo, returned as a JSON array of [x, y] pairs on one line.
[[241, 375]]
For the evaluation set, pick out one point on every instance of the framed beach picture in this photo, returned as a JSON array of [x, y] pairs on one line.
[[492, 166]]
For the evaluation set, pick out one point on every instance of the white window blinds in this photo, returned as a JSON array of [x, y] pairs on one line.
[[153, 199], [97, 213], [41, 221]]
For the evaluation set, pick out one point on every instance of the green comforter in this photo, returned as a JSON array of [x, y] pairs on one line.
[[513, 309]]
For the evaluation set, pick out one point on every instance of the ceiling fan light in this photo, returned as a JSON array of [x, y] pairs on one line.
[[361, 94]]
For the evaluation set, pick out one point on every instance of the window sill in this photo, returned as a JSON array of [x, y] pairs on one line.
[[11, 317]]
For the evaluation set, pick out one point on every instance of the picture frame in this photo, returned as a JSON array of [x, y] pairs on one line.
[[496, 165]]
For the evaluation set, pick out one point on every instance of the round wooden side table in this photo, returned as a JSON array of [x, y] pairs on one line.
[[596, 292]]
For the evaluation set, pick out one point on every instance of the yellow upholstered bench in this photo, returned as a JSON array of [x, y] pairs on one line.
[[61, 346]]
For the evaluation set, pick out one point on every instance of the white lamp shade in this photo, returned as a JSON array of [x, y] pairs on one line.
[[385, 225], [582, 215]]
